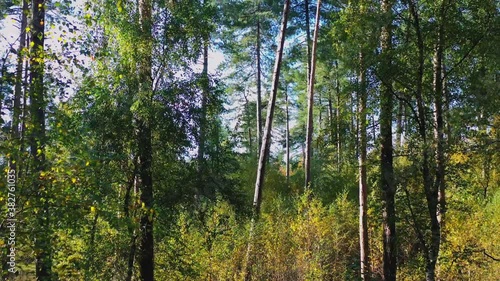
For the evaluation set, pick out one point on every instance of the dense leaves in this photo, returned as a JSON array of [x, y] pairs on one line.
[[100, 99]]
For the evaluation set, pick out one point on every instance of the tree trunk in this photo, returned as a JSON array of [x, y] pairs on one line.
[[399, 125], [330, 117], [18, 88], [131, 256], [146, 249], [437, 223], [131, 189], [438, 115], [203, 121], [287, 140], [259, 83], [308, 41], [431, 192], [43, 248], [24, 116], [339, 142], [387, 170], [266, 140], [310, 102], [363, 225], [248, 119], [320, 118]]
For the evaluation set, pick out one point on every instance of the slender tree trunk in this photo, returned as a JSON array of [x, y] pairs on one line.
[[447, 101], [387, 170], [331, 118], [131, 256], [203, 120], [266, 140], [320, 116], [259, 83], [310, 102], [18, 88], [308, 41], [438, 115], [43, 248], [486, 174], [287, 141], [22, 169], [146, 249], [248, 119], [130, 187], [354, 125], [431, 192], [363, 225], [399, 125], [439, 184], [339, 142], [130, 196]]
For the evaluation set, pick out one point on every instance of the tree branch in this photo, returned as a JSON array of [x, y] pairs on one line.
[[490, 256]]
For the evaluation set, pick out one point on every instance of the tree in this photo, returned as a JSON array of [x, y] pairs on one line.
[[363, 185], [145, 153], [254, 23], [386, 158], [310, 100], [38, 142], [264, 149]]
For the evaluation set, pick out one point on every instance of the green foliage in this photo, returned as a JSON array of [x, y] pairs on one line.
[[304, 240], [94, 97]]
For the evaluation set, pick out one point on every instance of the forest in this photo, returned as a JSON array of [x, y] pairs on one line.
[[250, 140]]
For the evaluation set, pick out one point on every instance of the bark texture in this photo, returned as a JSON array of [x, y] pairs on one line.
[[387, 170], [38, 141], [144, 137]]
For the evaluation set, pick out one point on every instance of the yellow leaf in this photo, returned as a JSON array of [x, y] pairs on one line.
[[42, 174], [143, 205], [119, 6], [39, 151], [73, 180], [87, 163], [92, 209]]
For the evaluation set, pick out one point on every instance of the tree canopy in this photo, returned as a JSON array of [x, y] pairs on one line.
[[250, 140]]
